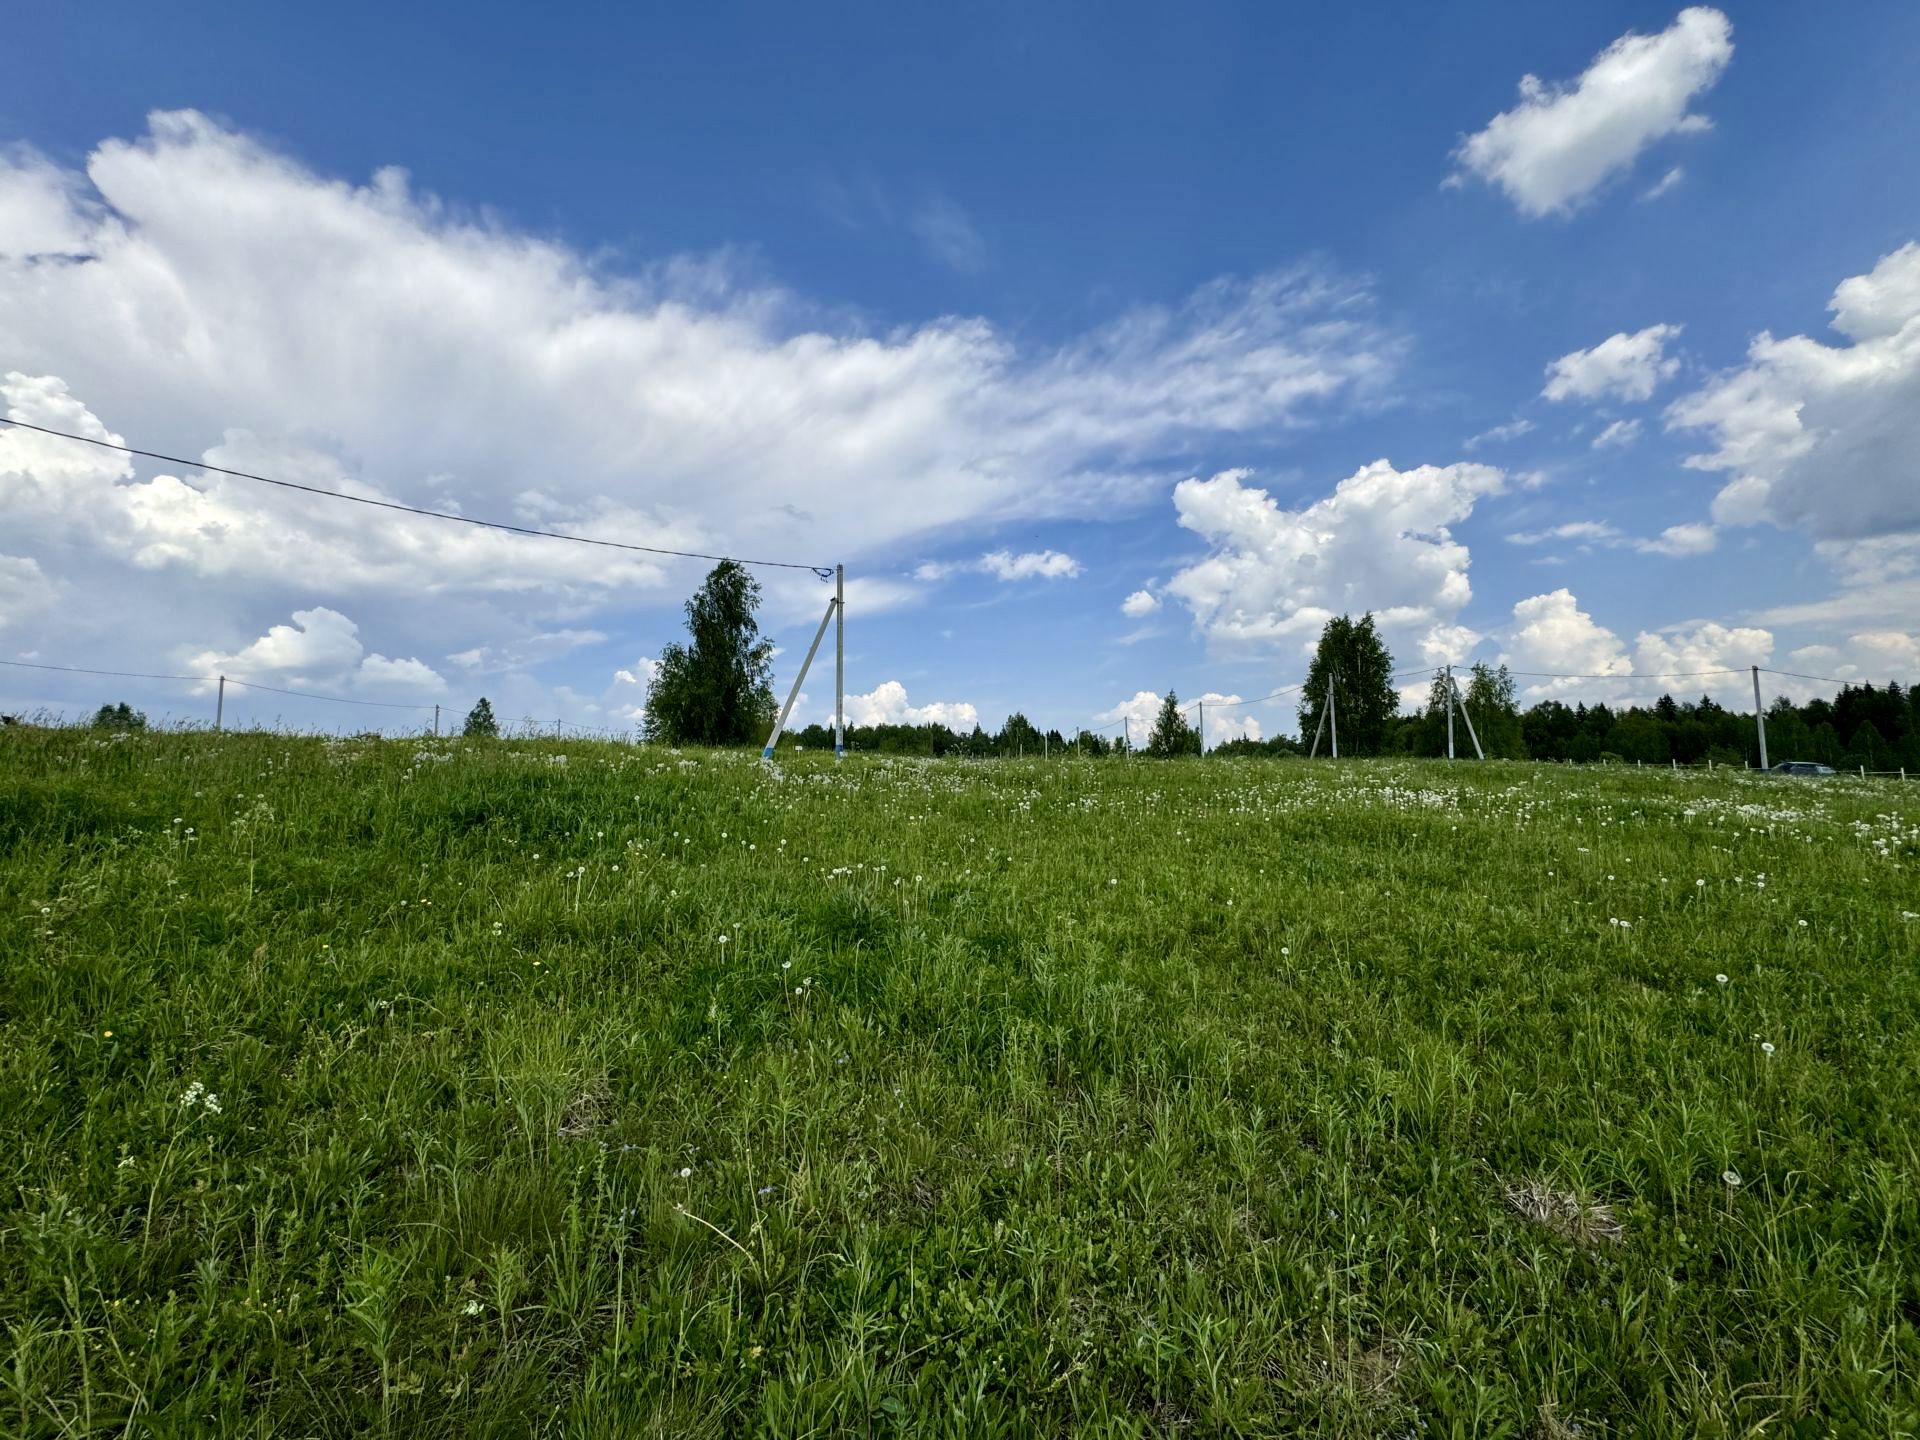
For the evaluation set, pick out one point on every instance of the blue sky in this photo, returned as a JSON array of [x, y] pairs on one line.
[[1019, 314]]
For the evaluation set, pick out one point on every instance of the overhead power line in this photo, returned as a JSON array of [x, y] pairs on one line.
[[1653, 675], [825, 572], [79, 670], [315, 695], [210, 679]]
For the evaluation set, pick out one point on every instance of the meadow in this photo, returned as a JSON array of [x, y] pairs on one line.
[[427, 1087]]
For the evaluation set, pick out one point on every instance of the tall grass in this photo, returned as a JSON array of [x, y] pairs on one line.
[[535, 1088]]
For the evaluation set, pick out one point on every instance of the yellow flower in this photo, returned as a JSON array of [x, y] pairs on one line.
[[106, 1034]]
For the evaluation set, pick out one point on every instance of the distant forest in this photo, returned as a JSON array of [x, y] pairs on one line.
[[1874, 726]]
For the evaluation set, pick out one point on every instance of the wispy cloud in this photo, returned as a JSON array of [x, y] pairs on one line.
[[1512, 430], [948, 235], [1665, 183], [1675, 540], [1618, 435], [1004, 565]]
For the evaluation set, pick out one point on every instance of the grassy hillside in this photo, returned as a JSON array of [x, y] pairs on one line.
[[424, 1088]]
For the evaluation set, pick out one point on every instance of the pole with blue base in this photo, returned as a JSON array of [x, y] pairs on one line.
[[833, 607], [839, 661]]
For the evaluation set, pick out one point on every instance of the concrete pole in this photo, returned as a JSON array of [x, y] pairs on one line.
[[436, 722], [1449, 712], [839, 661], [1333, 717], [833, 608], [1454, 695], [1759, 717], [220, 704], [1203, 725], [1126, 733]]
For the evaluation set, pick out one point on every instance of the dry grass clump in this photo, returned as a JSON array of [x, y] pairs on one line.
[[1584, 1222]]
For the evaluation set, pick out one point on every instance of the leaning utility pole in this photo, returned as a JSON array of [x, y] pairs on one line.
[[833, 609], [839, 662], [1453, 695]]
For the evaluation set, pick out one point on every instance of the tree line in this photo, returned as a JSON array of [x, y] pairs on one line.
[[717, 689]]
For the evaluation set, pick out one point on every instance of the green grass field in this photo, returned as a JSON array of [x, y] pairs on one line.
[[423, 1088]]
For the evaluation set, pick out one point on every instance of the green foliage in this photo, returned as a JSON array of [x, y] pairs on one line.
[[480, 724], [447, 1089], [119, 717], [1490, 703], [1273, 745], [717, 690], [1019, 737], [1353, 661], [1091, 745], [1861, 721], [1172, 734]]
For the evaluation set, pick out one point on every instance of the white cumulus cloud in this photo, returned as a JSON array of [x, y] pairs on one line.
[[377, 671], [1621, 367], [319, 649], [1226, 719], [1379, 542], [206, 295], [1563, 141], [888, 704], [1131, 719], [1870, 657], [1551, 633], [1139, 604], [1824, 438]]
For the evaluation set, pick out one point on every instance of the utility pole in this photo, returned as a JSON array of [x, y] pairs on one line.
[[1449, 712], [839, 661], [436, 722], [766, 752], [220, 704], [1126, 733], [1203, 726], [1453, 694], [1333, 715], [1759, 717]]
